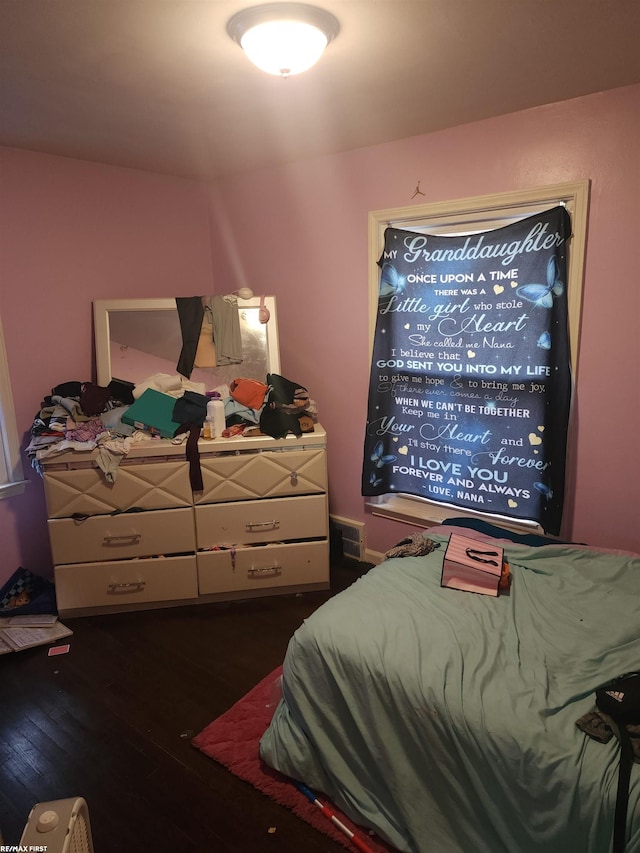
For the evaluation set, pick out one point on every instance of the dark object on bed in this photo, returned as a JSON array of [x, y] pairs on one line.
[[415, 545], [620, 700], [533, 539]]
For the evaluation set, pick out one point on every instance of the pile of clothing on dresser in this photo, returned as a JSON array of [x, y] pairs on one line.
[[84, 416]]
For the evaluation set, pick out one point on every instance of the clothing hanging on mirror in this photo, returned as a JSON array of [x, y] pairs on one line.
[[225, 327], [206, 350]]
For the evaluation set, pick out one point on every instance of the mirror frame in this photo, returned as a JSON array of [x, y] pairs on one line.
[[103, 308]]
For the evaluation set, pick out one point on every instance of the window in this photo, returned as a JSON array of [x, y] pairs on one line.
[[11, 477], [468, 216]]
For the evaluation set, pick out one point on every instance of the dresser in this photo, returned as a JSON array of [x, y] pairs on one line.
[[258, 527]]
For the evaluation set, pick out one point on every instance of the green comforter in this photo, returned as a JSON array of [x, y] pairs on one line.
[[446, 721]]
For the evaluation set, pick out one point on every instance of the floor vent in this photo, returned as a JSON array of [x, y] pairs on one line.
[[352, 533]]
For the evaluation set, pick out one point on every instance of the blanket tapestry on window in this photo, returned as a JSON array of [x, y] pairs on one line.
[[470, 384]]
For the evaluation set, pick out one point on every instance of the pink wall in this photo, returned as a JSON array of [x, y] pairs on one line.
[[71, 232], [301, 232]]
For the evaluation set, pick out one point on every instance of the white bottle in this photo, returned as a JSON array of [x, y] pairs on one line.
[[214, 422]]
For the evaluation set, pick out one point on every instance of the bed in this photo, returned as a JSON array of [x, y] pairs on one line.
[[445, 721]]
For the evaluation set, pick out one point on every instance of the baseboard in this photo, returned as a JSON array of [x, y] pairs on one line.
[[374, 557]]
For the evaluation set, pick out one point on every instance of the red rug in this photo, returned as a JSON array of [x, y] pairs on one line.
[[232, 740]]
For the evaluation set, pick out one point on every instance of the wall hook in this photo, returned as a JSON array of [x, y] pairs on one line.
[[417, 191]]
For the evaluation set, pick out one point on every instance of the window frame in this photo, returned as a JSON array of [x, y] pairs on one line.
[[472, 215], [12, 480]]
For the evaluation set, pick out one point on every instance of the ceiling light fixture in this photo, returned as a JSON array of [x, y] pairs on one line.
[[283, 38]]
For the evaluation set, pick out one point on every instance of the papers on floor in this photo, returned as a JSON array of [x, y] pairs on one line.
[[39, 620], [17, 635]]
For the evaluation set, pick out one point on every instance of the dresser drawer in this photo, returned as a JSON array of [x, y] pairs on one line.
[[118, 537], [260, 475], [263, 567], [261, 521], [123, 583], [84, 490]]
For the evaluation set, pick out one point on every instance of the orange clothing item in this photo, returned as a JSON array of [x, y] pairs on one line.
[[248, 392]]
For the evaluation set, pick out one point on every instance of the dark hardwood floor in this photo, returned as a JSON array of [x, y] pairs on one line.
[[112, 722]]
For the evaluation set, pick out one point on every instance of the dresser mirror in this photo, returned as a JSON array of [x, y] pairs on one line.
[[137, 338]]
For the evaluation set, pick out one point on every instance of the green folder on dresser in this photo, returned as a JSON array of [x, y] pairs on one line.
[[153, 411]]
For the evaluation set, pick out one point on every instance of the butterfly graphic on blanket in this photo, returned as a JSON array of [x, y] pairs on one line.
[[544, 341], [544, 490], [542, 294], [380, 458], [391, 282]]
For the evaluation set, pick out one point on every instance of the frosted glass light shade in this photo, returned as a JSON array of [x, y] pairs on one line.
[[283, 38], [284, 47]]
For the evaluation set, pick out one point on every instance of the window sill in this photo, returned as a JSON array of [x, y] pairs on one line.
[[9, 490], [424, 513]]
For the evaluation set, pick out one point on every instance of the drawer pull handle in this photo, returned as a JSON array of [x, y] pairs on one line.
[[129, 539], [262, 525], [264, 572], [294, 478], [120, 588]]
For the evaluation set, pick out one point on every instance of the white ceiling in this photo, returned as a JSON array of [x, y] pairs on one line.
[[159, 85]]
